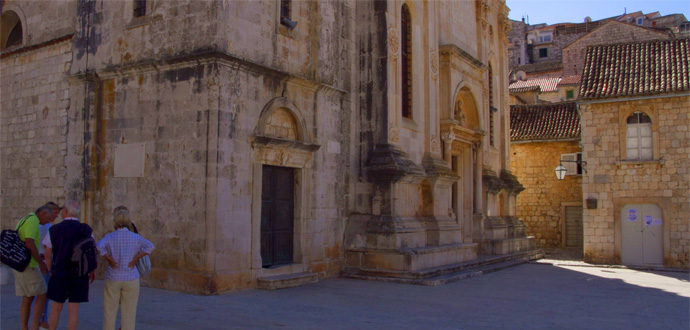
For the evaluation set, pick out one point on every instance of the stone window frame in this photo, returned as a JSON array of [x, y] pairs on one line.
[[626, 112], [21, 19], [297, 154], [137, 21]]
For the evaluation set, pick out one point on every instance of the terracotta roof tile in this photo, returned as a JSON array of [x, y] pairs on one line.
[[633, 69], [546, 84], [541, 67], [571, 80], [554, 121]]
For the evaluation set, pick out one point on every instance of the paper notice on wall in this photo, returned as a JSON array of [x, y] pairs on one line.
[[632, 215], [648, 221], [658, 222]]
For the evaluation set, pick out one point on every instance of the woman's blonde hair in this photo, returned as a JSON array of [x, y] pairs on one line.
[[121, 217]]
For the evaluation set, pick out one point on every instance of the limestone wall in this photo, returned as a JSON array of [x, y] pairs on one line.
[[614, 181], [33, 117], [540, 204]]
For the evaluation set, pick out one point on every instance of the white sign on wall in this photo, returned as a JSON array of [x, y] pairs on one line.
[[129, 160]]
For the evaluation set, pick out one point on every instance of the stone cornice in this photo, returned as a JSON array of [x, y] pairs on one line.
[[465, 56]]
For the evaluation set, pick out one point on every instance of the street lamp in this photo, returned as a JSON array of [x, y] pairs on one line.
[[560, 172]]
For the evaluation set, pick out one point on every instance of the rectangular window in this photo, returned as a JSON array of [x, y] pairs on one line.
[[545, 38], [139, 8], [543, 52], [570, 162], [570, 94], [285, 8]]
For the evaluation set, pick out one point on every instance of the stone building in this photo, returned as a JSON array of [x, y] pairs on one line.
[[635, 141], [266, 143], [609, 33], [542, 137]]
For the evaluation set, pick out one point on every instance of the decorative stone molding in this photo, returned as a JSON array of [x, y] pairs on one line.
[[492, 182], [512, 185], [393, 41], [435, 145], [390, 164], [448, 137], [433, 58], [393, 134]]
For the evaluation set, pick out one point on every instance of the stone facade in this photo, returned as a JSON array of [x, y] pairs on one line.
[[614, 181], [541, 204], [179, 114], [609, 33]]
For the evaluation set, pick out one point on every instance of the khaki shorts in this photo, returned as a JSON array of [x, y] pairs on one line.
[[29, 283]]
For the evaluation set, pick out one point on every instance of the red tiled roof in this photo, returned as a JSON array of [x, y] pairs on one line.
[[535, 88], [571, 80], [546, 84], [633, 69], [554, 121]]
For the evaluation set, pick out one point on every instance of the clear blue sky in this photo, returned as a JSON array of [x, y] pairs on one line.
[[575, 11]]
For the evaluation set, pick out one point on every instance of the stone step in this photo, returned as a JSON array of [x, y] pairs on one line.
[[286, 281], [410, 259], [445, 273], [508, 245]]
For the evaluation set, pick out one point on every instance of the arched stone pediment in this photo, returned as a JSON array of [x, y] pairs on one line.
[[281, 119], [465, 109]]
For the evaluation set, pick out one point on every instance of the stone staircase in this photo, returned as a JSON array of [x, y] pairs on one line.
[[506, 235], [435, 276]]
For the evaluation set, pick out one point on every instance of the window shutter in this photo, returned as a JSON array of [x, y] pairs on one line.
[[570, 165]]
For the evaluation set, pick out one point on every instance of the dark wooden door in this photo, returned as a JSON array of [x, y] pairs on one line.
[[277, 215]]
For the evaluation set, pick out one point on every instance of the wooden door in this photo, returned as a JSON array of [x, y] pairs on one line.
[[642, 235], [573, 226], [277, 215]]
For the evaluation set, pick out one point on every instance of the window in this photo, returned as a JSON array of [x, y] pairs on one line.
[[139, 8], [569, 94], [545, 38], [406, 49], [285, 8], [639, 21], [638, 137], [12, 32], [543, 52], [491, 106], [570, 162]]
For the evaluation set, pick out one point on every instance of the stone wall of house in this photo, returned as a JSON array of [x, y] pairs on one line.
[[35, 103], [540, 204], [613, 181], [612, 32]]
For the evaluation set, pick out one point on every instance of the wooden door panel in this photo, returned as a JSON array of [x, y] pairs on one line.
[[277, 215]]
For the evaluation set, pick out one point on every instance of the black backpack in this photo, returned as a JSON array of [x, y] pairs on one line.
[[84, 254]]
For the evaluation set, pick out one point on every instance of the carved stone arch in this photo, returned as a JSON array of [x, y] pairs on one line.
[[465, 100], [281, 119], [11, 13]]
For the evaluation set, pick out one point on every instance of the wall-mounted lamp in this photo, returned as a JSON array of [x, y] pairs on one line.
[[290, 24], [561, 170]]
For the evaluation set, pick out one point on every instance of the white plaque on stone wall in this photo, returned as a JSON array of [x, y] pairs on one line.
[[129, 160]]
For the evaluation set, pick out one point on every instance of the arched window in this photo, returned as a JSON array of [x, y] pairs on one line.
[[12, 32], [406, 49], [492, 109], [638, 137]]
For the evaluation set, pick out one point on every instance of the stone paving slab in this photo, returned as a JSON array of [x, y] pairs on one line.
[[530, 296]]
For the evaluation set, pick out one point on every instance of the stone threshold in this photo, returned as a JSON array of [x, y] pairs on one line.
[[445, 274], [286, 281]]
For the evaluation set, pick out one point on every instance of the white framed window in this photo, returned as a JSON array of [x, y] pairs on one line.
[[570, 162], [638, 137], [545, 38]]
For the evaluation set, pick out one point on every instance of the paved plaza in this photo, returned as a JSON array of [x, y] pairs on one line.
[[531, 296]]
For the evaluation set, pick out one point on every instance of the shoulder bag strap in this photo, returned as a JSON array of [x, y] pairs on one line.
[[21, 222]]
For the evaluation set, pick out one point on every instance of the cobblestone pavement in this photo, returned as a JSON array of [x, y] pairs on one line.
[[531, 296]]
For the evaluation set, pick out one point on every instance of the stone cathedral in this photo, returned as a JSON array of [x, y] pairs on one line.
[[267, 144]]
